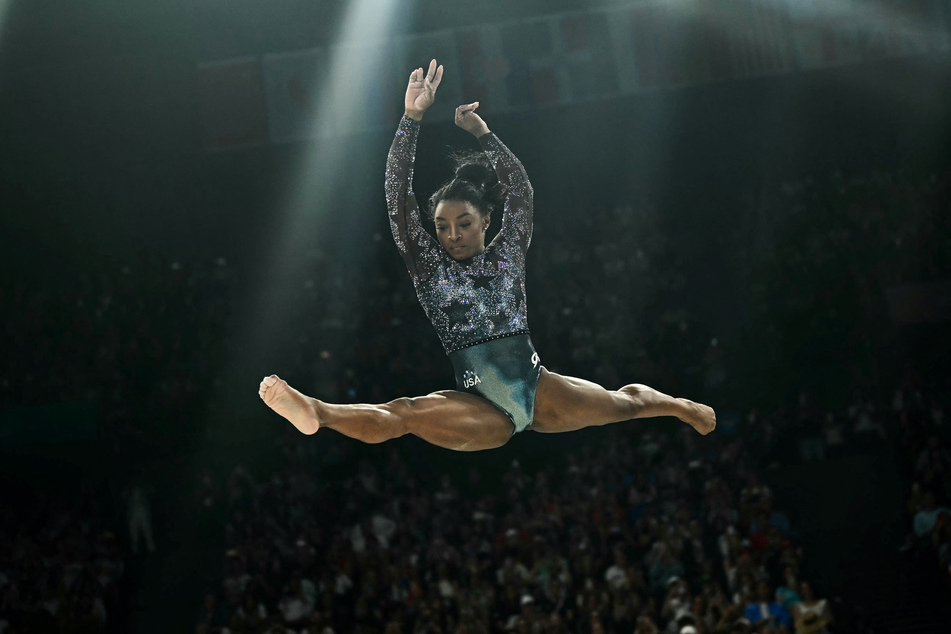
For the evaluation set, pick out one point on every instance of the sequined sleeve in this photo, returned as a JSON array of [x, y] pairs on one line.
[[517, 214], [413, 241]]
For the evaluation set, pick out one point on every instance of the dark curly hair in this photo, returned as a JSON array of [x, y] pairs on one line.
[[475, 182]]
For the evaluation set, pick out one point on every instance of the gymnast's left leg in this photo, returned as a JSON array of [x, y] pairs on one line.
[[448, 419], [564, 403]]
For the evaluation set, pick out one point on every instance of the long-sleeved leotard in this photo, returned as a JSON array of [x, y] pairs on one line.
[[470, 301]]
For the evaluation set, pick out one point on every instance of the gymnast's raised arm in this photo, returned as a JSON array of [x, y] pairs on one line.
[[411, 239]]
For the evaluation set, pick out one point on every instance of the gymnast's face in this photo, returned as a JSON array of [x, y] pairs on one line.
[[460, 228]]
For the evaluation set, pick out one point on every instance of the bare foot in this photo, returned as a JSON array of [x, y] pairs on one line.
[[289, 403], [700, 417]]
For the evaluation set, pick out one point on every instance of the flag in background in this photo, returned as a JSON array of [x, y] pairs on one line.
[[942, 12], [529, 49], [231, 104], [920, 26], [873, 29], [760, 37], [559, 59], [693, 54], [668, 43], [510, 66], [806, 36], [292, 85], [942, 26], [673, 41], [642, 33], [713, 36], [776, 28], [824, 33], [671, 45], [587, 52], [840, 43], [485, 68]]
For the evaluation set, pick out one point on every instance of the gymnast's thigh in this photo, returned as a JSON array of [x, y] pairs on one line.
[[458, 420], [566, 403]]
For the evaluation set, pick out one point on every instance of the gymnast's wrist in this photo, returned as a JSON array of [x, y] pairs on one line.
[[415, 115]]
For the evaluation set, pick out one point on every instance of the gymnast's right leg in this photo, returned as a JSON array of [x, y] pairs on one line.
[[448, 419]]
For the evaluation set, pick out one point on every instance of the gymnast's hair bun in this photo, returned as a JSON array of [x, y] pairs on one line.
[[475, 182], [476, 168], [477, 171]]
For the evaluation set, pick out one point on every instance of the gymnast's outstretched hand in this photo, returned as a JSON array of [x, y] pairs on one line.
[[421, 91], [468, 120]]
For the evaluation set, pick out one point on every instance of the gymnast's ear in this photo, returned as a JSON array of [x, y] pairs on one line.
[[486, 221]]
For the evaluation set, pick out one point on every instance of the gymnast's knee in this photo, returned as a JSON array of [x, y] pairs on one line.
[[402, 406], [634, 398], [393, 419]]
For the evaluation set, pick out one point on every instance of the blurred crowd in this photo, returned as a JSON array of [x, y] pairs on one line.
[[61, 567], [926, 439], [638, 531], [883, 226], [141, 340]]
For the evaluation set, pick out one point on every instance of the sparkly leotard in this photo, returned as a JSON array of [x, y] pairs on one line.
[[476, 301]]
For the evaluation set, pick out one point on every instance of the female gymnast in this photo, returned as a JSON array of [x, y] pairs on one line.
[[475, 297]]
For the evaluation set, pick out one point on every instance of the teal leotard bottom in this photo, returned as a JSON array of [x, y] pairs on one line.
[[503, 371]]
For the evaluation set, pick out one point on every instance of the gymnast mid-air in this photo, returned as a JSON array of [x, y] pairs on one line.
[[474, 295]]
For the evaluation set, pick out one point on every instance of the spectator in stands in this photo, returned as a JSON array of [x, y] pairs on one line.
[[787, 593], [297, 602], [250, 616], [616, 575], [236, 578], [139, 514], [929, 515], [645, 626], [764, 608], [811, 446], [941, 541], [213, 616], [59, 567], [833, 434], [677, 604], [933, 466], [206, 491], [866, 427], [664, 567], [812, 615]]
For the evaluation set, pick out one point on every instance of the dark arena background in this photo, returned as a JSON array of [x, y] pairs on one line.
[[743, 202]]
